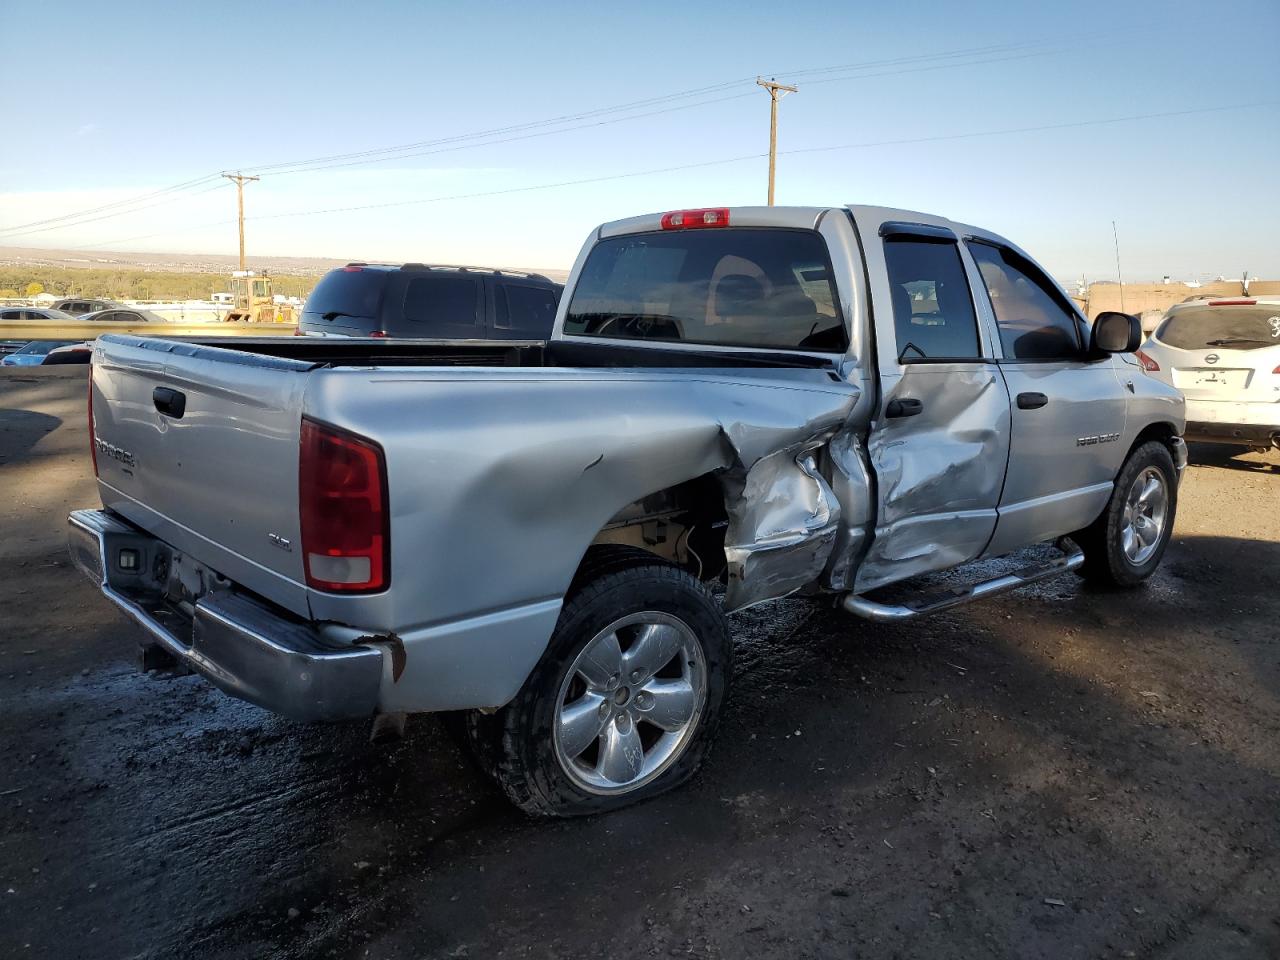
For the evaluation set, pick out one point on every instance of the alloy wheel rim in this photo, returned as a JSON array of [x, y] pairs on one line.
[[1146, 510], [630, 703]]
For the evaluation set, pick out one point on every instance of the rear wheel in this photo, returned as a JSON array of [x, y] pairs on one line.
[[1125, 544], [624, 702]]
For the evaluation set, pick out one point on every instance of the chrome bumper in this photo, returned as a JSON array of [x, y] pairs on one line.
[[1178, 447], [243, 646]]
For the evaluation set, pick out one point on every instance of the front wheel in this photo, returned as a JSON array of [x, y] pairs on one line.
[[1124, 545], [623, 704]]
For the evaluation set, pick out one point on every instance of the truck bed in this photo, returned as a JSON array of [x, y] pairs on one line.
[[344, 352]]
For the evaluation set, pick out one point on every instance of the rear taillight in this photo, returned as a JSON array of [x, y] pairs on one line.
[[695, 219], [93, 431], [1236, 302], [342, 502], [1148, 364], [380, 334]]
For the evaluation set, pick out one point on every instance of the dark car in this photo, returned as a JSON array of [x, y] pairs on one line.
[[419, 301], [78, 305], [123, 315], [81, 352]]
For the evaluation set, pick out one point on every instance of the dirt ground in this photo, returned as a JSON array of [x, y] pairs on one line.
[[1059, 772]]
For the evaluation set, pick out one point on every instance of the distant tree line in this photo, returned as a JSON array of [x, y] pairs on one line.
[[132, 284]]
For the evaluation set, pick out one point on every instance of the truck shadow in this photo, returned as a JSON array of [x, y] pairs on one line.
[[1233, 458], [1060, 740], [21, 430], [1056, 740]]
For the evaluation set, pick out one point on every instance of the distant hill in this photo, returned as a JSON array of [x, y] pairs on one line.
[[161, 276]]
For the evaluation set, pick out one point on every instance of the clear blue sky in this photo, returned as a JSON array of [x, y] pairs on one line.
[[106, 102]]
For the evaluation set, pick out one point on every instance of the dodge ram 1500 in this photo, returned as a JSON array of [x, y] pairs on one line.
[[779, 400]]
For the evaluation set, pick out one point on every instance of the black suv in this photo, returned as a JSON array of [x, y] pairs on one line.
[[420, 301]]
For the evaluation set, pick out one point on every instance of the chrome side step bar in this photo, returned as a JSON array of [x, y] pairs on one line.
[[1071, 559]]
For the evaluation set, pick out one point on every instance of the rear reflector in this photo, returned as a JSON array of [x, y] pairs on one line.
[[342, 502], [695, 219], [1148, 364], [1239, 302]]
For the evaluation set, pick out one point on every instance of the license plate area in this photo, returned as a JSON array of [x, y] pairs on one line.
[[1211, 379]]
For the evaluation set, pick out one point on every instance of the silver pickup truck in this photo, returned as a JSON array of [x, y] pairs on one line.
[[779, 400]]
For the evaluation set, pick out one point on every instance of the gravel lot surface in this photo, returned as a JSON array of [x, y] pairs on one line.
[[1060, 772]]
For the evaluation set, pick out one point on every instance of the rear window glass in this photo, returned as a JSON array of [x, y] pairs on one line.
[[1238, 328], [522, 307], [733, 287], [347, 293], [42, 346]]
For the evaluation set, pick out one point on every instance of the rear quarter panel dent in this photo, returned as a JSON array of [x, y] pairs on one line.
[[498, 487]]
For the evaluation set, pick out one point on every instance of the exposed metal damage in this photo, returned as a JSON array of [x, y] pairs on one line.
[[394, 647], [784, 515], [782, 526]]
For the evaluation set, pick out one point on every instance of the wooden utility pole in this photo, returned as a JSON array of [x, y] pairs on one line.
[[773, 87], [240, 180]]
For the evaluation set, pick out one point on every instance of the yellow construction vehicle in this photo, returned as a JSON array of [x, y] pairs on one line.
[[253, 301]]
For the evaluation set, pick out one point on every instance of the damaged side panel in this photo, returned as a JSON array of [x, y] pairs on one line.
[[854, 488], [495, 504], [939, 473]]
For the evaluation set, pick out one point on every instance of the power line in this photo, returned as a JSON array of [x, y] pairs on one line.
[[1036, 129], [447, 144], [650, 101], [110, 216], [459, 142], [187, 185], [708, 163]]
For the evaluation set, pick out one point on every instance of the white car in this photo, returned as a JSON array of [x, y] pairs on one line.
[[1224, 355]]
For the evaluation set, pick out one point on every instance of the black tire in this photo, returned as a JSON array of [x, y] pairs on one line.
[[1105, 561], [515, 745]]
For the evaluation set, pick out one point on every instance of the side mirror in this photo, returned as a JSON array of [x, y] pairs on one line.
[[1115, 332]]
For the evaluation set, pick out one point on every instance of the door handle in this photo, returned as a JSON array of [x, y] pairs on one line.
[[172, 403], [904, 407], [1031, 401]]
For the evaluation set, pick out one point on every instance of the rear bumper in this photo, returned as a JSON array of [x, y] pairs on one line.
[[1178, 448], [1241, 434], [243, 646], [1242, 423]]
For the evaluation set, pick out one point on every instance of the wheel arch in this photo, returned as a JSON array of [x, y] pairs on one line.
[[682, 524], [1162, 431]]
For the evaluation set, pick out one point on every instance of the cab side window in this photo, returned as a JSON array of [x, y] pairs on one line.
[[443, 301], [932, 305], [1035, 322]]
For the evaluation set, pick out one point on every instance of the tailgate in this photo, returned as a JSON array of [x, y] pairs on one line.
[[199, 446], [1224, 374]]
